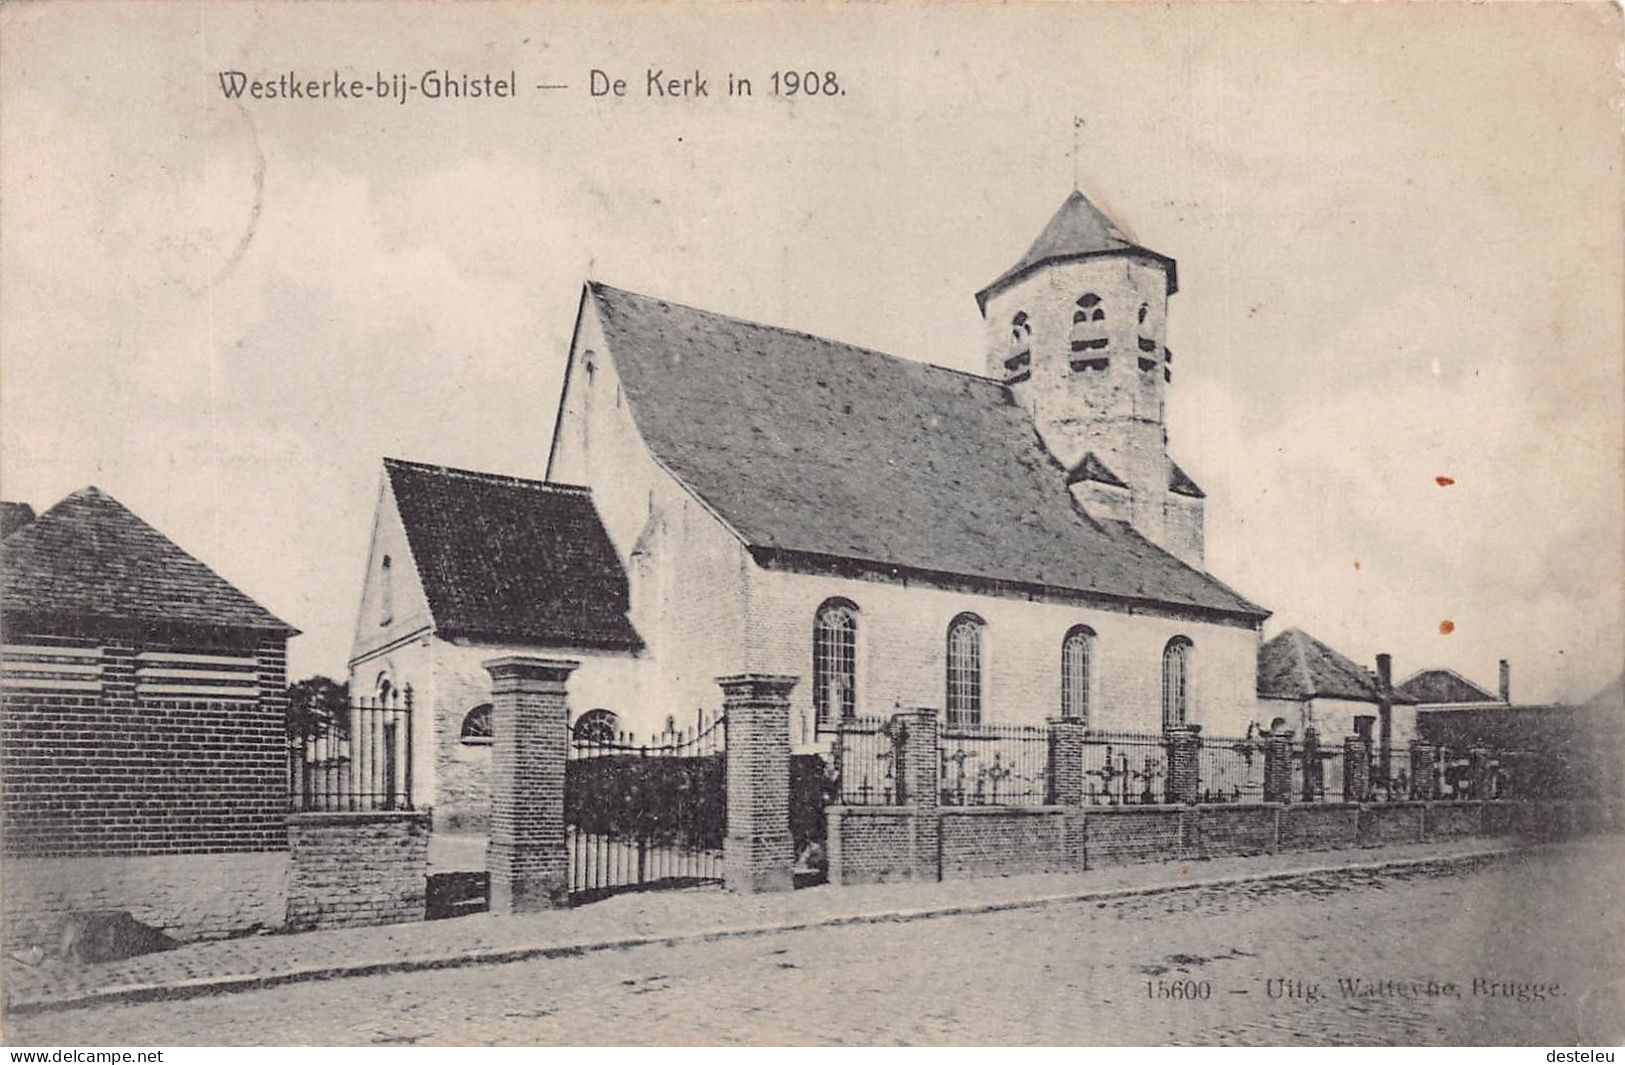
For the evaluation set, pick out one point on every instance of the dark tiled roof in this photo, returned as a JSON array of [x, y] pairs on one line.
[[504, 559], [1090, 468], [1295, 665], [88, 557], [1079, 230], [1179, 481], [1445, 686], [14, 516], [808, 446]]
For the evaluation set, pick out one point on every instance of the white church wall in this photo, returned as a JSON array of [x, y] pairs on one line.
[[902, 637]]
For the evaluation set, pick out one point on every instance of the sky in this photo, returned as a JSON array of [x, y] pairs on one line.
[[1399, 231]]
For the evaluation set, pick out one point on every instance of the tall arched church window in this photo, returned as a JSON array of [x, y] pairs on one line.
[[1077, 650], [596, 726], [965, 670], [835, 661], [1018, 363], [1176, 682]]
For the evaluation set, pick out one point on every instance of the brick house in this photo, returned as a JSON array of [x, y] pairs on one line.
[[142, 754], [1005, 548]]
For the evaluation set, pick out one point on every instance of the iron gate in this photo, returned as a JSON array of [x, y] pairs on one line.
[[641, 817]]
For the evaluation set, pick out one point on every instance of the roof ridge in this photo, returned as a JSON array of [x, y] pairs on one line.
[[595, 286], [484, 475], [1446, 669]]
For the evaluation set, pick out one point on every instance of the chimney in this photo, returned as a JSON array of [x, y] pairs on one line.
[[1385, 715], [1506, 681]]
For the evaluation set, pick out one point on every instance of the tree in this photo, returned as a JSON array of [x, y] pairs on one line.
[[318, 705]]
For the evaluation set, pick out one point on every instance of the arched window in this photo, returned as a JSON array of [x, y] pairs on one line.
[[1089, 323], [1076, 651], [965, 670], [1018, 364], [596, 726], [1176, 682], [386, 591], [477, 726], [835, 661], [382, 688]]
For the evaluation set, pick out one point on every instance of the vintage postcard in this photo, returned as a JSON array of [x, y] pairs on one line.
[[803, 524]]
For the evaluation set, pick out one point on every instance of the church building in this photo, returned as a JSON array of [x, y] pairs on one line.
[[724, 497]]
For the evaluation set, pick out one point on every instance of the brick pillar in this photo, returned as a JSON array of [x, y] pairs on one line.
[[1422, 776], [1065, 761], [1356, 769], [1184, 763], [1278, 766], [916, 733], [526, 856], [758, 854], [1482, 759]]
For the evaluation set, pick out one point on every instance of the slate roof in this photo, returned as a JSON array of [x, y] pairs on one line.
[[1295, 665], [810, 447], [14, 516], [89, 557], [1079, 230], [1445, 686], [508, 560]]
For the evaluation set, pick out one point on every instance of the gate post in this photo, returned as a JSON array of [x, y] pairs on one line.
[[1278, 766], [526, 856], [1184, 764], [758, 854], [917, 747], [1356, 769], [1422, 774], [1065, 761]]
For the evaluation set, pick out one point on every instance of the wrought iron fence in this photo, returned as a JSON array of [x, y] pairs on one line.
[[994, 765], [641, 816], [1124, 768], [1317, 773], [863, 762], [1231, 768], [359, 758]]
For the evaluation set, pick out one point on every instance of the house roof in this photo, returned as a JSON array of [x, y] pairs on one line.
[[1444, 686], [503, 559], [810, 447], [14, 516], [1079, 230], [1295, 665], [89, 557]]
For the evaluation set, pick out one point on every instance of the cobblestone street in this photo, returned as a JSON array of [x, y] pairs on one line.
[[1266, 959]]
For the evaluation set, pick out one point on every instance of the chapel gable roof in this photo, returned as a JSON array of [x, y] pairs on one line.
[[88, 558], [1295, 665], [1079, 230], [1445, 686], [807, 447], [508, 560]]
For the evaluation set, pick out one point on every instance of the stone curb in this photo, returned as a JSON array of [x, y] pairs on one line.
[[197, 987]]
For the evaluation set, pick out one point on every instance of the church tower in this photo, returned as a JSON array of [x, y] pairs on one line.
[[1075, 329]]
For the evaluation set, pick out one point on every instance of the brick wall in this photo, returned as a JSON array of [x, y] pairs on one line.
[[1116, 835], [1315, 826], [1397, 822], [1445, 820], [1240, 829], [1003, 841], [354, 869], [186, 896], [872, 844], [150, 746]]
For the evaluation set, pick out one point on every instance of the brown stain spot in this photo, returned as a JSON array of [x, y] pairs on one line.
[[1444, 482], [1446, 627], [1356, 563]]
